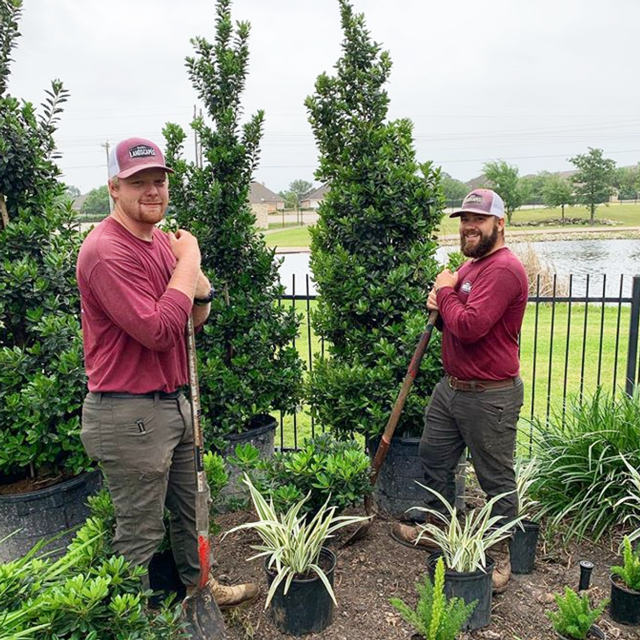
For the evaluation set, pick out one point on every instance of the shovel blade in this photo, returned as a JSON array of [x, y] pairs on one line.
[[203, 617]]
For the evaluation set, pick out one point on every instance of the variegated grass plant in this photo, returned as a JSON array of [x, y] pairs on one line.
[[464, 541], [526, 475], [632, 501], [290, 542]]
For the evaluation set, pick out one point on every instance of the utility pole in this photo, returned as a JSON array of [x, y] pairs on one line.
[[105, 146]]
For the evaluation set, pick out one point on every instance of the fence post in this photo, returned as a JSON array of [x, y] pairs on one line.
[[632, 350]]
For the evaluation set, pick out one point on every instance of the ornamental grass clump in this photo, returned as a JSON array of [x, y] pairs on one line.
[[629, 572], [436, 617], [575, 616], [291, 543], [526, 476], [464, 541], [584, 481]]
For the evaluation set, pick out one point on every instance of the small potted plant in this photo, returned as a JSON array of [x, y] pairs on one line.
[[435, 617], [464, 543], [625, 586], [524, 541], [575, 618], [323, 467], [299, 567]]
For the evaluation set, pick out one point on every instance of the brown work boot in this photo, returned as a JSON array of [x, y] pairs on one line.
[[229, 597], [409, 536], [502, 569]]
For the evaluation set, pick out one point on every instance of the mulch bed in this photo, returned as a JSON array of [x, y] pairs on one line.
[[375, 569]]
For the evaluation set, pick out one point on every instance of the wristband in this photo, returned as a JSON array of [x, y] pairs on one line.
[[202, 302]]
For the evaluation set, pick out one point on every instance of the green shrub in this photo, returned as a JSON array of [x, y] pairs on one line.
[[246, 361], [583, 479], [42, 380], [630, 569], [435, 617], [324, 468], [575, 615], [85, 594], [372, 250]]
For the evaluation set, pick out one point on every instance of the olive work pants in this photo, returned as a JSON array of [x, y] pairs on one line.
[[483, 421], [145, 448]]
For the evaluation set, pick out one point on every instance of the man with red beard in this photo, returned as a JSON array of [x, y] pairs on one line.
[[477, 403], [138, 287]]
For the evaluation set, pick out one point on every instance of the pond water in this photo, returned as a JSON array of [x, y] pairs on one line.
[[580, 258]]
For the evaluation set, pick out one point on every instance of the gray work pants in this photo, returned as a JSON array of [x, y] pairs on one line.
[[145, 448], [483, 421]]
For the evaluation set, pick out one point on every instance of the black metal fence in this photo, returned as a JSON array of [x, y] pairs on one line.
[[570, 345]]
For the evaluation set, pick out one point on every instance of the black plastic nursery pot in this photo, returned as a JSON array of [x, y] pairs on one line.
[[307, 607], [594, 633], [397, 490], [523, 547], [261, 434], [625, 603], [469, 586], [45, 514], [164, 578]]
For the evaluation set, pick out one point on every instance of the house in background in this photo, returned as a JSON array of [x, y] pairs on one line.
[[263, 201], [312, 200]]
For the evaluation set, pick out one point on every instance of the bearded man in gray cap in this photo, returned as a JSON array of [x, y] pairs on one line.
[[477, 403]]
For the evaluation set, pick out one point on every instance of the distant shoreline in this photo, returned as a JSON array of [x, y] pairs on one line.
[[531, 235]]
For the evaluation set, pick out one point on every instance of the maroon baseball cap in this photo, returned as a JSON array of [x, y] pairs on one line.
[[133, 155], [483, 201]]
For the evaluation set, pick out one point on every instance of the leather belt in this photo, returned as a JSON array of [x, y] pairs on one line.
[[121, 395], [479, 385]]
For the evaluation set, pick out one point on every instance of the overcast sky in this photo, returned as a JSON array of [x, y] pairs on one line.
[[532, 83]]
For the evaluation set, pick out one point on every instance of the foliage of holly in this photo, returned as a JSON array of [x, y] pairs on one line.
[[247, 364], [372, 250], [42, 382]]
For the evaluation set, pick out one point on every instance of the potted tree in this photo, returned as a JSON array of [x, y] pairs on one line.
[[575, 618], [465, 543], [247, 364], [524, 542], [43, 486], [625, 587], [435, 617], [299, 567], [373, 260]]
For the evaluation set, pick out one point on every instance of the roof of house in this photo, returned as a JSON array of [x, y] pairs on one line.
[[318, 194], [258, 193]]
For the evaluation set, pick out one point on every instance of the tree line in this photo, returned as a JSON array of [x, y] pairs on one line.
[[595, 180]]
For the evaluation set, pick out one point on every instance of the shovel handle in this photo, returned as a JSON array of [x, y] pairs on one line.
[[202, 497], [412, 372]]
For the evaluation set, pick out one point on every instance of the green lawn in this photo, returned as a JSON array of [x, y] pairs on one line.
[[622, 214], [544, 374]]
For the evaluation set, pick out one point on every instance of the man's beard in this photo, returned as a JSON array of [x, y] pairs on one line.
[[483, 246]]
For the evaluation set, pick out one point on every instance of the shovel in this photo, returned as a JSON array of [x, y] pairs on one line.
[[385, 442], [203, 617]]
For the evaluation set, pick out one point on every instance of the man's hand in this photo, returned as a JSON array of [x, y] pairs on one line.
[[446, 279], [184, 246]]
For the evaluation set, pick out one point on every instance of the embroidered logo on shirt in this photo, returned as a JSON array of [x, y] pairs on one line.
[[466, 287]]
